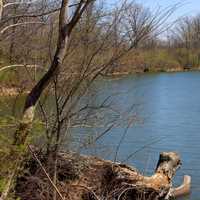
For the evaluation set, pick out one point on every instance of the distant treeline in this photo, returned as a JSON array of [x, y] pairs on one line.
[[131, 35]]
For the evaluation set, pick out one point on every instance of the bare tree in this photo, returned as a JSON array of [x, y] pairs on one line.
[[65, 29], [143, 24], [185, 40]]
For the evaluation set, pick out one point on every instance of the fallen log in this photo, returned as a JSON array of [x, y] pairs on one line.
[[90, 178], [184, 189]]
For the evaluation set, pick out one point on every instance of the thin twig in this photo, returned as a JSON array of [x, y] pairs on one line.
[[45, 172], [141, 148], [86, 188], [18, 65], [18, 3]]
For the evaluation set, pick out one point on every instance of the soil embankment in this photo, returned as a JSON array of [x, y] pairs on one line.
[[90, 178]]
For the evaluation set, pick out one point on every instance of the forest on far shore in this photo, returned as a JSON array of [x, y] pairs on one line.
[[28, 40]]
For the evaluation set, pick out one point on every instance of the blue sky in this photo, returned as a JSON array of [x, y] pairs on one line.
[[189, 7]]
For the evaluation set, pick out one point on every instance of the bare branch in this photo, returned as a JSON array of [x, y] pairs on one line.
[[19, 3], [45, 172], [30, 15], [20, 65], [19, 24]]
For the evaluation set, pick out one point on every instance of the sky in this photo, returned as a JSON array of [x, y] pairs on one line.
[[189, 7]]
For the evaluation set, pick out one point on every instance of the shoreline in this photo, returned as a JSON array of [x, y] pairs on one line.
[[152, 71], [15, 91]]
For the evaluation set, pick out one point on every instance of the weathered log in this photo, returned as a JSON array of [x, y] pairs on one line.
[[184, 189], [89, 178]]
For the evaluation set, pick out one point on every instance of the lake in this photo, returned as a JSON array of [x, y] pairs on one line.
[[167, 106], [164, 111]]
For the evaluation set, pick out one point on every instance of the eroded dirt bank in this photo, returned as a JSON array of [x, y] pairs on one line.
[[85, 177]]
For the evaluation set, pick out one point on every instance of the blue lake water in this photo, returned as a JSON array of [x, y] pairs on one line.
[[167, 109], [164, 111]]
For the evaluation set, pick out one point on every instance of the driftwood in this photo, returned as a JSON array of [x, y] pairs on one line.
[[184, 188], [91, 178]]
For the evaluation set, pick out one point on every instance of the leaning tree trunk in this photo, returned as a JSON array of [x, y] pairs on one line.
[[65, 29], [33, 97], [90, 178]]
